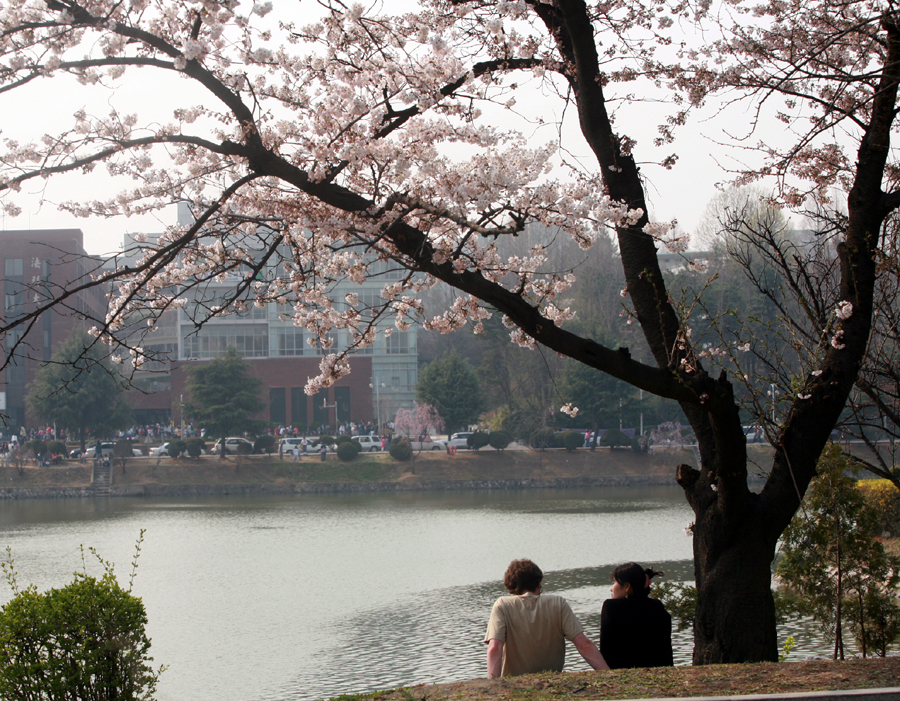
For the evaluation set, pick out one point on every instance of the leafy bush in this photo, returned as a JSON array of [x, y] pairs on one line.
[[348, 450], [572, 440], [264, 444], [343, 438], [327, 440], [57, 447], [499, 439], [614, 438], [85, 641], [401, 449], [884, 498], [478, 440], [177, 447], [640, 444], [244, 448], [542, 439], [38, 447], [195, 447]]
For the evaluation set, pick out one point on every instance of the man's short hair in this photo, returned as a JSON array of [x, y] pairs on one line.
[[522, 576]]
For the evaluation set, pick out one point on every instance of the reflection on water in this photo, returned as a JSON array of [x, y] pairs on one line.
[[313, 596]]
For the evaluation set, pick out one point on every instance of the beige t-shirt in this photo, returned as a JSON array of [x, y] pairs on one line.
[[534, 629]]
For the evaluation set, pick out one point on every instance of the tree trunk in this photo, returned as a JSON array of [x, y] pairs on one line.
[[838, 606], [735, 617]]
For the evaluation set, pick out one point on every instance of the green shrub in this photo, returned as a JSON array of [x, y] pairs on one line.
[[572, 440], [57, 447], [884, 498], [348, 450], [38, 447], [343, 438], [640, 444], [401, 449], [264, 444], [478, 440], [85, 641], [244, 448], [177, 447], [614, 438], [195, 447], [499, 439], [327, 440], [542, 439]]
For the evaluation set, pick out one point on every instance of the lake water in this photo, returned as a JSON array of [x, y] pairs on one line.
[[308, 597]]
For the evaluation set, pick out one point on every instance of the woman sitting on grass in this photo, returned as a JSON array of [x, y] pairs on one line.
[[635, 630]]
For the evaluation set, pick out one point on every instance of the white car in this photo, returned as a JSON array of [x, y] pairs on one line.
[[231, 445], [371, 444], [160, 451], [429, 444], [460, 440]]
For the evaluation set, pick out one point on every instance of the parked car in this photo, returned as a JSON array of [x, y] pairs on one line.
[[429, 444], [371, 444], [460, 440], [106, 449], [160, 451], [231, 445], [286, 445]]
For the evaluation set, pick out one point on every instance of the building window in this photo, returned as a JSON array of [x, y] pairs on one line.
[[249, 341], [320, 410], [397, 342], [342, 400], [158, 356], [15, 267], [289, 341], [298, 408], [276, 405]]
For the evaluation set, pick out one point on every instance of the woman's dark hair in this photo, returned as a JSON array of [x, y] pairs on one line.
[[522, 576], [637, 576]]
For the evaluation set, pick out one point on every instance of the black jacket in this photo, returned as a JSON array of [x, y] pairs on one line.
[[635, 632]]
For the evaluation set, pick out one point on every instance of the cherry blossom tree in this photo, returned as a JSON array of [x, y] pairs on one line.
[[360, 143], [416, 424]]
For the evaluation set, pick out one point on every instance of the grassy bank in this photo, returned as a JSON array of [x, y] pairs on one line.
[[714, 680], [367, 467]]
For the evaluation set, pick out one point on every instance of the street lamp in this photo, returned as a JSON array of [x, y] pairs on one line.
[[773, 392], [642, 412], [374, 384]]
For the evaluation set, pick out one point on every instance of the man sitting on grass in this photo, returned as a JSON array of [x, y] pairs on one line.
[[527, 631]]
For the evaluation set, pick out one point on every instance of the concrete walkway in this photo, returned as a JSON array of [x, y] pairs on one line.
[[887, 694]]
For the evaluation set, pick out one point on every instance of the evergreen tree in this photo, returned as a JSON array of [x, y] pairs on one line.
[[450, 386], [223, 396], [79, 390], [832, 559]]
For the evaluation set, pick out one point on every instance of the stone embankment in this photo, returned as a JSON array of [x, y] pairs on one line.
[[214, 490]]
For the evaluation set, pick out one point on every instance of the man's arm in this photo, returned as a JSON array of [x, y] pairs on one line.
[[495, 658], [583, 644]]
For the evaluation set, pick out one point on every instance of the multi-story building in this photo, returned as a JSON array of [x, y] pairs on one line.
[[38, 264], [383, 377]]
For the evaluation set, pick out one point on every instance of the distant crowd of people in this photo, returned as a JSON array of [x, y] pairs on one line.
[[527, 630]]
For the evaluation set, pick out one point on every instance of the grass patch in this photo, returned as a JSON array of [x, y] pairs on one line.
[[667, 682]]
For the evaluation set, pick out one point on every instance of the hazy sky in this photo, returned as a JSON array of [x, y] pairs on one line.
[[680, 193]]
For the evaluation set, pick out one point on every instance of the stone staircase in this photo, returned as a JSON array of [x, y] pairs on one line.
[[102, 478]]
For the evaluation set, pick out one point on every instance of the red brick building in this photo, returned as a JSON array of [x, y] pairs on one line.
[[283, 380], [36, 265]]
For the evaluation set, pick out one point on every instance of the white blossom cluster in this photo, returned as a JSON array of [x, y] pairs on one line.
[[364, 160]]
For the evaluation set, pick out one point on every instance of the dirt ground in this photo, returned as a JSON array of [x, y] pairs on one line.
[[716, 680]]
